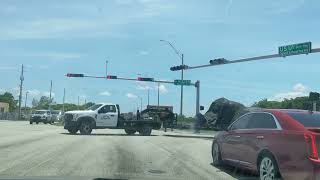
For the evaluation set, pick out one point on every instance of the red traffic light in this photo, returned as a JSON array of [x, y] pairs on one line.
[[74, 75], [112, 77], [145, 79]]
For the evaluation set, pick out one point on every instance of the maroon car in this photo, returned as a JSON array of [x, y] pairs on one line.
[[276, 143]]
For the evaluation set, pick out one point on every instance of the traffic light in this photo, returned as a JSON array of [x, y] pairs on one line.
[[218, 61], [112, 77], [178, 68], [145, 79], [74, 75]]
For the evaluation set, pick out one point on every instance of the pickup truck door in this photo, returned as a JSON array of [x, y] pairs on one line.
[[107, 116]]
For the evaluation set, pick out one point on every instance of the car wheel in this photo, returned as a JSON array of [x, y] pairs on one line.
[[130, 131], [216, 155], [44, 122], [85, 128], [37, 122], [145, 131], [30, 122], [268, 168], [73, 131]]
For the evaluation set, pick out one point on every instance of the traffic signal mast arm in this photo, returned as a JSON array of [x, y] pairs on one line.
[[222, 61], [121, 78]]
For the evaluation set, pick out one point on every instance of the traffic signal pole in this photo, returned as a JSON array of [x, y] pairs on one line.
[[197, 85], [181, 94]]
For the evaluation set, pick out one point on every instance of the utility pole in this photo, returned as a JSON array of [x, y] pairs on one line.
[[64, 96], [158, 94], [78, 103], [25, 103], [20, 94], [50, 100]]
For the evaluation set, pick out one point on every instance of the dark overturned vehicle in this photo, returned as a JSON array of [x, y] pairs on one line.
[[107, 115]]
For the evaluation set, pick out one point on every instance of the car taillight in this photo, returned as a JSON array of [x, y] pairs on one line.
[[311, 146]]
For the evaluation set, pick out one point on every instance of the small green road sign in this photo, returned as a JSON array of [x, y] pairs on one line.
[[182, 82], [294, 49]]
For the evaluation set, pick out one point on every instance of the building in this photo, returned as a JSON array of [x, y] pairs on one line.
[[4, 107]]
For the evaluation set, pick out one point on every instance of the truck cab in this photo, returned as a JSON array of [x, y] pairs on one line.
[[106, 115]]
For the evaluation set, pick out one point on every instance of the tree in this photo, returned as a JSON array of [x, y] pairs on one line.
[[8, 98], [43, 102], [35, 102], [294, 103]]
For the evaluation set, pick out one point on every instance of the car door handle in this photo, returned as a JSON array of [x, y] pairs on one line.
[[237, 136], [259, 137]]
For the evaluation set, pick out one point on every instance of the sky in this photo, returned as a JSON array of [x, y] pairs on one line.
[[52, 38]]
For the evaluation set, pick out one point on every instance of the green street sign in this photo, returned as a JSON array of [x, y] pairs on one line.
[[294, 49], [182, 82]]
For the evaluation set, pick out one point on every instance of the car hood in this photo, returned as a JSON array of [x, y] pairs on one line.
[[80, 112]]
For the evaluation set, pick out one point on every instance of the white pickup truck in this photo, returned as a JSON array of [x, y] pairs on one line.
[[107, 115]]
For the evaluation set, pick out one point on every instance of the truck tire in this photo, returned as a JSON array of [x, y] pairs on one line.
[[130, 131], [145, 131], [30, 122], [37, 122], [85, 128]]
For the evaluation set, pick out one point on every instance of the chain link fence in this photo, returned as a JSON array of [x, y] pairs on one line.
[[13, 116]]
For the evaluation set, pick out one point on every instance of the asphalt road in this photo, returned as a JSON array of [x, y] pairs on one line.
[[47, 150]]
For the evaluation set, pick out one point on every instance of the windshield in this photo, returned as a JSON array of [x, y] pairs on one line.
[[307, 119], [40, 112], [94, 107]]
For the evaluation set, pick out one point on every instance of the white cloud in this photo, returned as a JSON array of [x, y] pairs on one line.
[[8, 68], [46, 93], [143, 86], [131, 96], [35, 93], [43, 55], [144, 53], [105, 93], [298, 90], [163, 88]]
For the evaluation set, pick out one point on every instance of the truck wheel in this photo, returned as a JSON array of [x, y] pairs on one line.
[[30, 122], [44, 122], [85, 128], [37, 122], [145, 131], [73, 131], [130, 131]]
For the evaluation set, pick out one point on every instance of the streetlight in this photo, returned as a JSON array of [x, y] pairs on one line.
[[25, 103], [182, 63]]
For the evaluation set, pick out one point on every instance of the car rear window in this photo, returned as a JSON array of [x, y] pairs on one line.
[[307, 119]]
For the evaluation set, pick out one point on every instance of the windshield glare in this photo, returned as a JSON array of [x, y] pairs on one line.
[[94, 107], [307, 120], [40, 112]]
